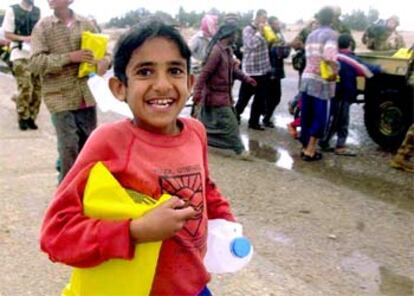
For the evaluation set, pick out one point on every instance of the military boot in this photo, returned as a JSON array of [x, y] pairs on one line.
[[31, 124], [23, 124], [399, 162]]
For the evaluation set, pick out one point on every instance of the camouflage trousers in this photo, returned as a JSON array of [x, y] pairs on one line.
[[29, 91], [406, 149]]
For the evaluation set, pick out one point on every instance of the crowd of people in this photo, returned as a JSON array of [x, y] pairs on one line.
[[254, 54], [157, 151], [322, 106]]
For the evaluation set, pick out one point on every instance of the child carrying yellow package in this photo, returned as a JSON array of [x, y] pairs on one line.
[[105, 198], [98, 44]]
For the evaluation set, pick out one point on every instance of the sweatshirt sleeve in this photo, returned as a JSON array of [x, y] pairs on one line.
[[360, 68], [70, 237]]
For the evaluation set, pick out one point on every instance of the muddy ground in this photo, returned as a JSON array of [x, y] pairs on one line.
[[344, 226]]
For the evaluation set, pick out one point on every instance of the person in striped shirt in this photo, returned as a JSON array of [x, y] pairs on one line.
[[321, 47]]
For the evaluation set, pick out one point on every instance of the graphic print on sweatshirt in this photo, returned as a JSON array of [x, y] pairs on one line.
[[188, 187]]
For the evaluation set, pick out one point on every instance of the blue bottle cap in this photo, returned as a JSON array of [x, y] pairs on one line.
[[240, 247]]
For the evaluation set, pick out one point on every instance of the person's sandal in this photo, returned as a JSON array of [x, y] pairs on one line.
[[315, 157], [344, 152]]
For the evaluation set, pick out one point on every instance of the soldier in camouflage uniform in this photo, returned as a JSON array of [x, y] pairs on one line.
[[18, 24], [406, 151], [383, 35]]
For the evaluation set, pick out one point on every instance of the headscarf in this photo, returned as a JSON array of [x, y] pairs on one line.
[[224, 31], [209, 25]]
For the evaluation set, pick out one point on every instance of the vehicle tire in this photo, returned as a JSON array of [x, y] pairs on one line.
[[388, 111]]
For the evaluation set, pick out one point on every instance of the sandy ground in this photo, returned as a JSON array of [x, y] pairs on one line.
[[311, 236]]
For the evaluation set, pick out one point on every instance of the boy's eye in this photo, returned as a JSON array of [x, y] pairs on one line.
[[176, 71], [144, 72]]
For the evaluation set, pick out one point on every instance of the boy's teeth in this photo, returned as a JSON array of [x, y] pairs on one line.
[[162, 102]]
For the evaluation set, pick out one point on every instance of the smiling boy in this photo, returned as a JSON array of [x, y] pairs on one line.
[[154, 153]]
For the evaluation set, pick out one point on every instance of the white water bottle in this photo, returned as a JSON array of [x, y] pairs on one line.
[[227, 249]]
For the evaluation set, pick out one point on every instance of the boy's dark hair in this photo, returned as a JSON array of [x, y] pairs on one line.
[[140, 33], [344, 41], [325, 16]]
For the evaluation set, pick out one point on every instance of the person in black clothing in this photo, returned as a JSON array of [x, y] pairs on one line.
[[278, 51]]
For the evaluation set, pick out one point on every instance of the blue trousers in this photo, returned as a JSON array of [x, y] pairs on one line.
[[314, 116], [205, 292]]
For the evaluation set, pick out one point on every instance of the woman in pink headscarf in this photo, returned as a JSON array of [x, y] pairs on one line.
[[199, 42]]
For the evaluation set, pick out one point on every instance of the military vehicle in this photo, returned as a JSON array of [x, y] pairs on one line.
[[388, 98]]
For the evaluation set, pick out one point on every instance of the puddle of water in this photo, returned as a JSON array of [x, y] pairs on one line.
[[279, 156], [285, 160], [353, 138], [283, 120], [262, 151], [245, 141], [376, 279]]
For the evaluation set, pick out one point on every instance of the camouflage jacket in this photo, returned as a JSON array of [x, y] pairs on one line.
[[379, 37]]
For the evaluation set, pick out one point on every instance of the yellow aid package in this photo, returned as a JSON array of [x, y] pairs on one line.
[[404, 53], [269, 35], [105, 198], [326, 71], [98, 44]]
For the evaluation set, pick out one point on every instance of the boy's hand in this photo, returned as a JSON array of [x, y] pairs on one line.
[[81, 56], [162, 222]]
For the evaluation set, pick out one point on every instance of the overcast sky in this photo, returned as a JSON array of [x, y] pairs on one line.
[[288, 11]]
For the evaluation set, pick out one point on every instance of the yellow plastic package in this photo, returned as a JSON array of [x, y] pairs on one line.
[[404, 53], [269, 35], [105, 198], [98, 44], [326, 71]]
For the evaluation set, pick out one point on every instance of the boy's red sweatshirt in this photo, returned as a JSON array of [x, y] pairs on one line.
[[147, 163]]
